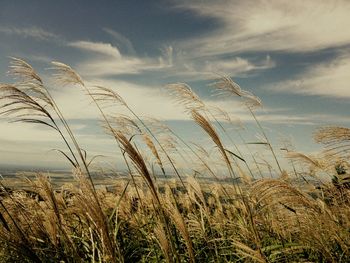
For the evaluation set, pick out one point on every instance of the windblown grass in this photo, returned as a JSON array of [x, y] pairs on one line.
[[222, 215]]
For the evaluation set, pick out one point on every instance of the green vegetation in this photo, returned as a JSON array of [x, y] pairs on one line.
[[234, 217]]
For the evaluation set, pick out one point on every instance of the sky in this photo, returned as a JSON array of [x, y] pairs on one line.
[[293, 55]]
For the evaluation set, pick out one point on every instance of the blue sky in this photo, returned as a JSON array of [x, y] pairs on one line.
[[294, 55]]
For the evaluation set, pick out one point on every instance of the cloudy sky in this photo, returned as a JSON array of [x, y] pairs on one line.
[[294, 55]]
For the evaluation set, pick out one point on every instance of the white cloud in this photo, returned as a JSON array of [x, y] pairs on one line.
[[144, 100], [99, 67], [98, 47], [111, 61], [325, 79], [121, 40], [10, 131], [153, 101], [29, 32], [180, 64], [270, 25], [237, 66]]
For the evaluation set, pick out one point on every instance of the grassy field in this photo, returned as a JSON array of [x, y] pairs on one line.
[[177, 202]]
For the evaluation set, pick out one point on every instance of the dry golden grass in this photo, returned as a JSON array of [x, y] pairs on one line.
[[210, 218]]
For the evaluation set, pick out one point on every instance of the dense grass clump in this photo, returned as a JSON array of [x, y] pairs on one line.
[[227, 211]]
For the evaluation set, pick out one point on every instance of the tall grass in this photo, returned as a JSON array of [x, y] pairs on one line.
[[222, 215]]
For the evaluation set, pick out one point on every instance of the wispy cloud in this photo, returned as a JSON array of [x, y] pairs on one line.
[[209, 68], [29, 32], [329, 79], [296, 26], [121, 58], [99, 67], [289, 118], [149, 101], [237, 65], [110, 60], [98, 47], [122, 41]]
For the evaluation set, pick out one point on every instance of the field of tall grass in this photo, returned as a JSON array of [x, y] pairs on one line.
[[181, 202]]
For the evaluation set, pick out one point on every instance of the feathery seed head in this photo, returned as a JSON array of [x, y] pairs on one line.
[[65, 74], [103, 94], [184, 95], [226, 86], [21, 69]]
